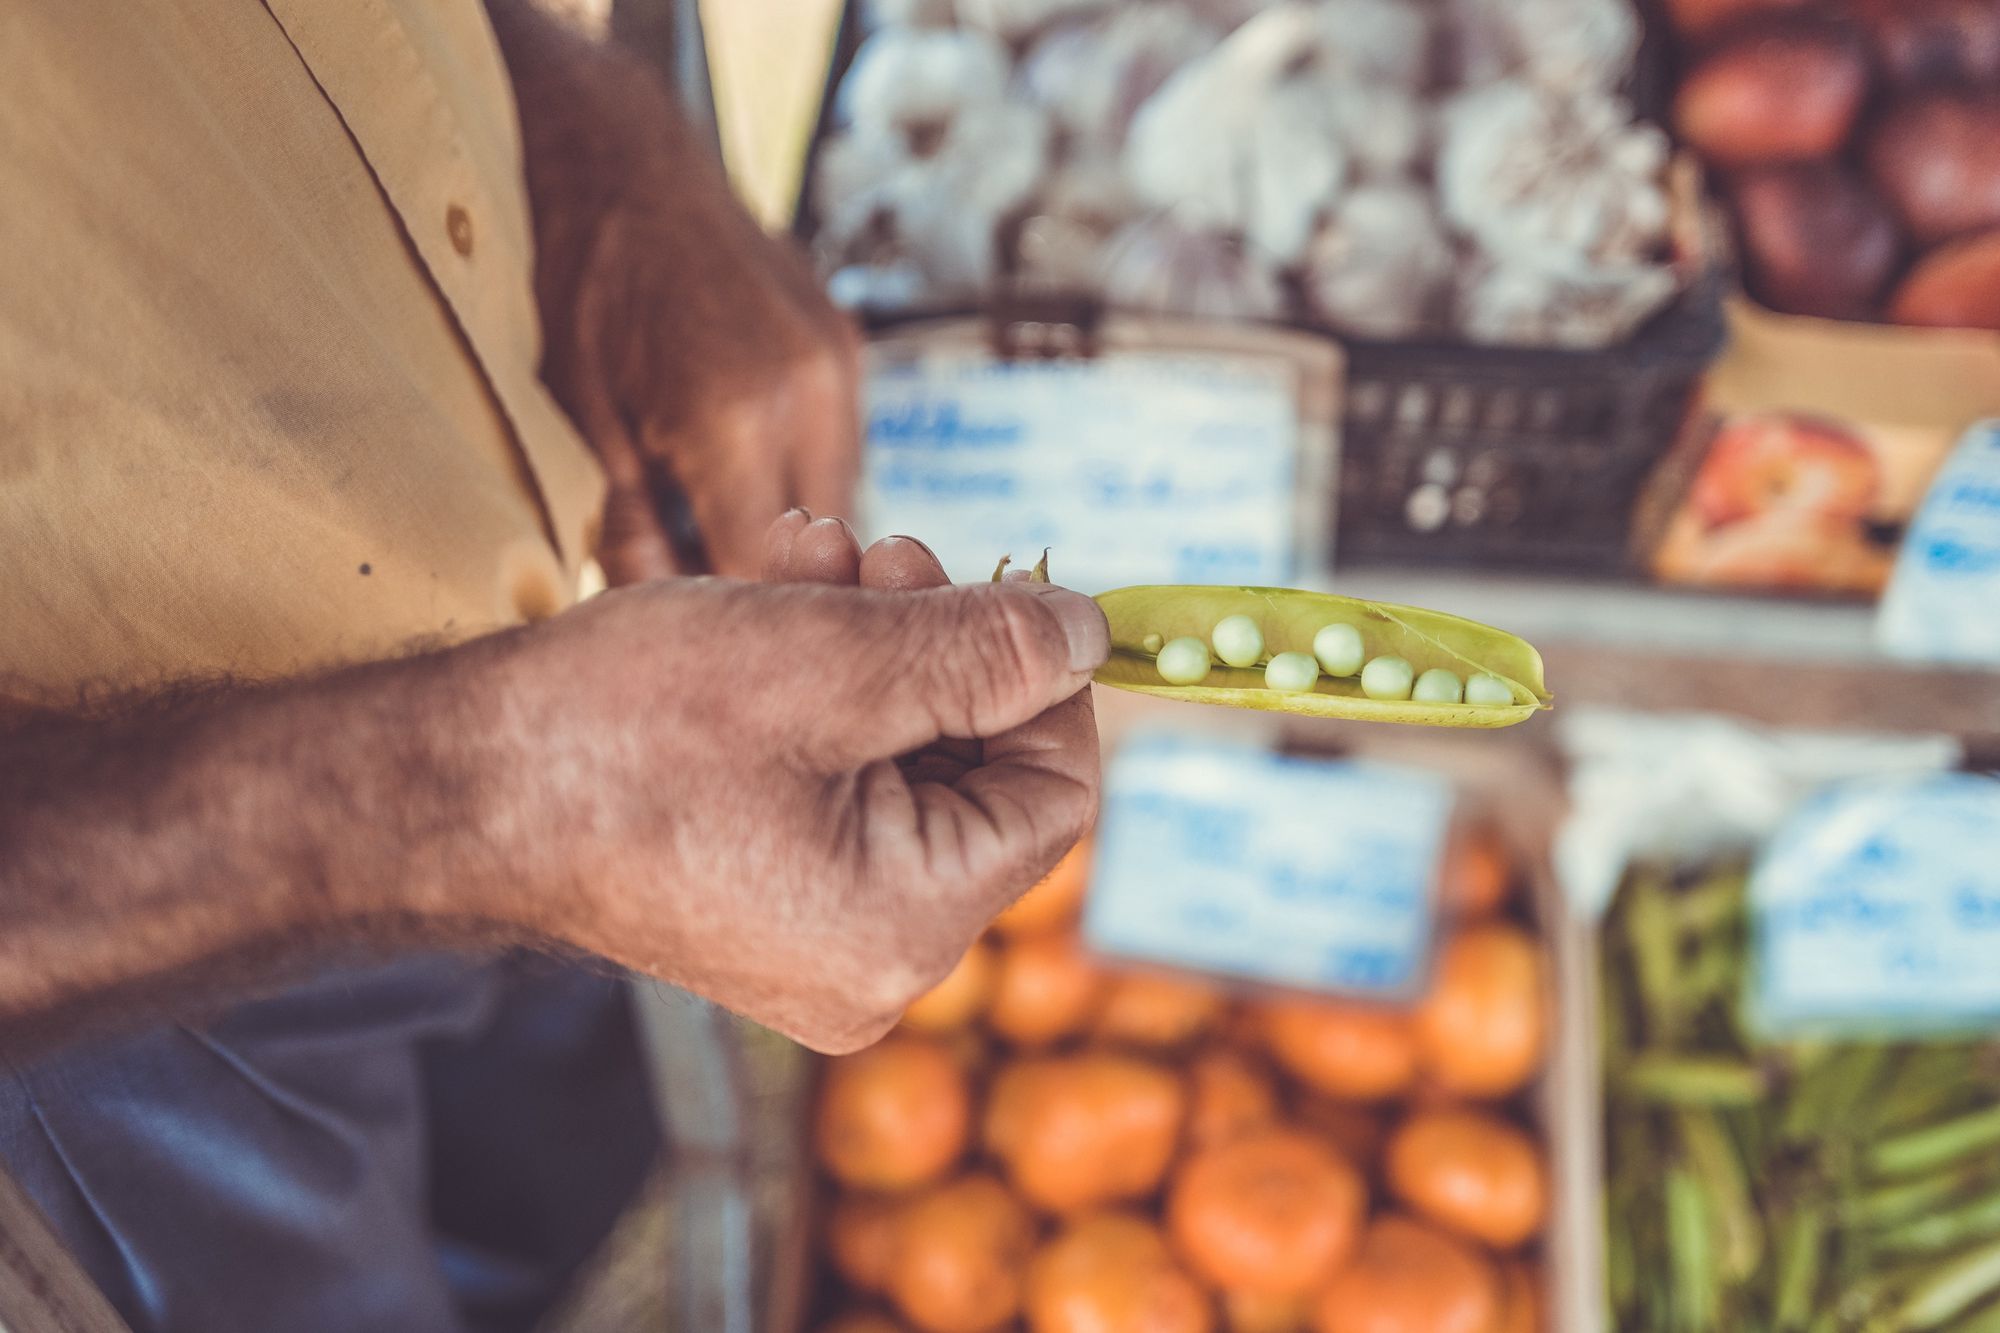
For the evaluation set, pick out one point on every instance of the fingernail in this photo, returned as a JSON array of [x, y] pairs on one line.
[[902, 537], [1083, 624], [799, 511]]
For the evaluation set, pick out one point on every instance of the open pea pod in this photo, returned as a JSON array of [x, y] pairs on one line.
[[1289, 620]]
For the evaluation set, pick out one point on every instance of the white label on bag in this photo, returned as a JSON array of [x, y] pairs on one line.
[[1876, 910], [1298, 872], [1943, 602], [1132, 469]]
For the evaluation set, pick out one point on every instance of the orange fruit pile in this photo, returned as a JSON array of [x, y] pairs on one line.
[[1054, 1145]]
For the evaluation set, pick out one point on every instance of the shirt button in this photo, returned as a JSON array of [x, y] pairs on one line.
[[458, 225]]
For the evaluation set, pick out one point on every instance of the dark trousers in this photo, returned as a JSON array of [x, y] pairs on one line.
[[435, 1143]]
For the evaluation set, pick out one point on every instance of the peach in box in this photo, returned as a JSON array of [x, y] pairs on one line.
[[1762, 463]]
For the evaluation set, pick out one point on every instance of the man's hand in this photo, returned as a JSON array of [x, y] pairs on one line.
[[726, 808], [801, 800], [696, 353]]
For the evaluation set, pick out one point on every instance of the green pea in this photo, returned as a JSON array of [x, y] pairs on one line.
[[1184, 661], [1238, 641], [1487, 691], [1339, 649], [1292, 672], [1152, 643], [1438, 686], [1387, 678]]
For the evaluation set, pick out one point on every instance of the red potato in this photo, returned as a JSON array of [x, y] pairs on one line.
[[1922, 44], [1786, 89], [1816, 239], [1956, 287], [1698, 20], [1936, 159]]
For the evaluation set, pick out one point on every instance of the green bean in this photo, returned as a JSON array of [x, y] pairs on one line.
[[1715, 904], [1688, 1245], [1901, 1200], [1930, 1082], [1935, 1145], [1800, 1248], [1739, 1236], [1986, 1319], [1969, 1222], [1652, 935], [1694, 1080], [1951, 1289], [1833, 1091]]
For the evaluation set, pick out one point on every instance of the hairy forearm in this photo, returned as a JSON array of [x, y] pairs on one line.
[[180, 845]]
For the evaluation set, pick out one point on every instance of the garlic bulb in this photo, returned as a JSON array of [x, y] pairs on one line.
[[916, 81], [1382, 264], [1072, 218], [1374, 41], [1094, 76], [985, 169], [1015, 19], [1520, 304], [1561, 45], [1160, 264], [1552, 180], [1232, 144], [1293, 165], [1382, 126], [1228, 15]]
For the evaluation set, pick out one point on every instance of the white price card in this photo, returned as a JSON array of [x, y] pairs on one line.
[[1943, 601], [1300, 872], [1876, 910], [1151, 468]]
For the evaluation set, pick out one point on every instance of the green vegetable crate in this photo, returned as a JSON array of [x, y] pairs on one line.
[[1811, 1186]]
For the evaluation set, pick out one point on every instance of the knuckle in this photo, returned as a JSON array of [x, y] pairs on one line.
[[991, 658]]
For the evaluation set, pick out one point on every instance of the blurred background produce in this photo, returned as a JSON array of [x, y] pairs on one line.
[[1391, 169], [1858, 143], [1803, 1184], [1697, 294], [1060, 1141]]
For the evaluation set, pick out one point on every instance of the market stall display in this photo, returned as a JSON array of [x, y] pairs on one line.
[[1058, 1141], [1389, 169], [1856, 148], [1858, 144], [1788, 1185], [1460, 193]]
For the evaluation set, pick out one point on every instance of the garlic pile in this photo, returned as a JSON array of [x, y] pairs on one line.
[[1393, 169]]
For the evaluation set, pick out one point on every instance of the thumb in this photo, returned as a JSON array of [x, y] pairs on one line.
[[978, 660]]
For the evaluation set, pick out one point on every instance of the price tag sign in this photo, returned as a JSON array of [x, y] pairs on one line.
[[1298, 872], [1150, 468], [1876, 910], [1943, 601]]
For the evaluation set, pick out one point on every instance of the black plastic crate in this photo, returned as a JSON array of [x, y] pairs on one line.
[[1515, 456]]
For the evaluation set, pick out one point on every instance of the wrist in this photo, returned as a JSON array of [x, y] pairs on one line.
[[420, 825]]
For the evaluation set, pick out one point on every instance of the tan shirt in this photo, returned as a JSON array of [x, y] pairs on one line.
[[268, 345]]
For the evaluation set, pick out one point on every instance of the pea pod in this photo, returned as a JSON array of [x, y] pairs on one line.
[[1143, 618]]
